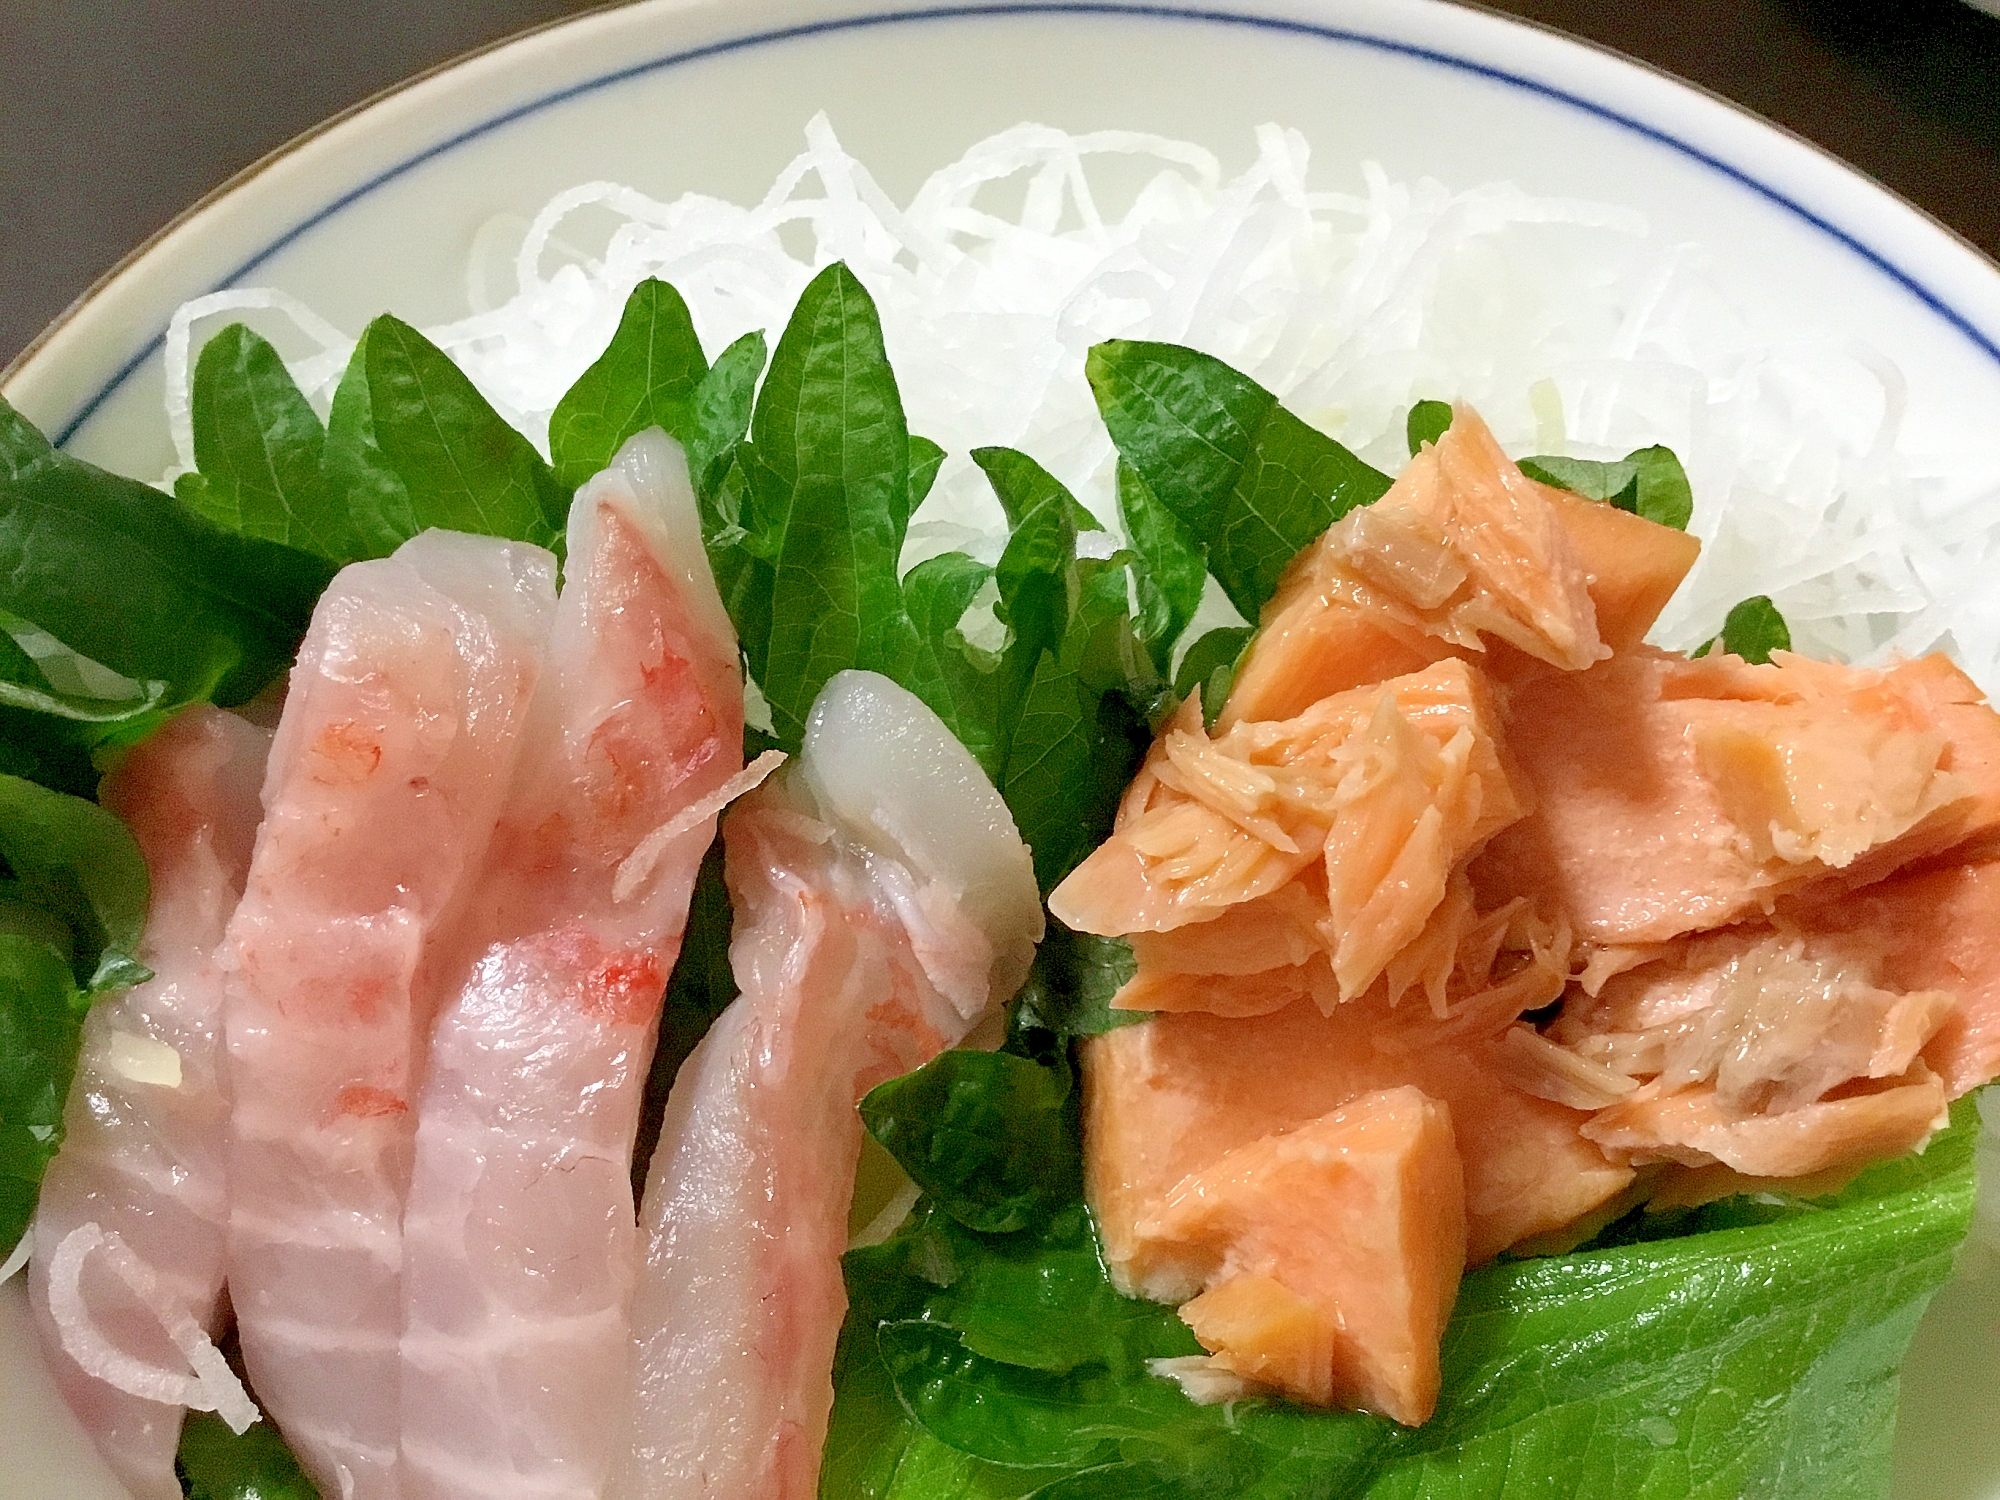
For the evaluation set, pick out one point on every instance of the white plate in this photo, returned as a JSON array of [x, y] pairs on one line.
[[379, 210]]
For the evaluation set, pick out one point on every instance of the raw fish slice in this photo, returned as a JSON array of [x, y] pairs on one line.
[[142, 1154], [398, 739], [884, 904], [519, 1241]]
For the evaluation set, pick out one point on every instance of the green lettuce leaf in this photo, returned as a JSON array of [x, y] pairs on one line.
[[1250, 483]]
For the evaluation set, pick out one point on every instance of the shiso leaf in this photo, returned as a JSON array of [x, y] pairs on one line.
[[216, 1464], [1752, 630], [646, 377], [829, 504], [413, 444], [1168, 573], [1664, 494], [805, 534], [926, 457], [1250, 482], [41, 1030], [259, 449], [1428, 421], [1617, 483], [981, 1132], [1210, 668], [1649, 482], [653, 374], [1068, 993], [78, 863], [974, 682], [1082, 730], [43, 675], [131, 578]]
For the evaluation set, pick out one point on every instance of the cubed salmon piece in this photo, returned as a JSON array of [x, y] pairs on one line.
[[1632, 565], [1340, 1247]]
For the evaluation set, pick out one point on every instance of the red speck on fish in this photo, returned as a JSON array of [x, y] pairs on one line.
[[364, 1101], [345, 753], [625, 987]]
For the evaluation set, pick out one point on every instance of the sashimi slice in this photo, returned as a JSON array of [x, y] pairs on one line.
[[884, 905], [143, 1151], [398, 739], [518, 1239]]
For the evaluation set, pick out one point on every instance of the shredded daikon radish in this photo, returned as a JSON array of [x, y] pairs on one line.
[[210, 1385], [1568, 324]]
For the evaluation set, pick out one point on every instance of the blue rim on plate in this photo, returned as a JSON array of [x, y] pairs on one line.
[[1320, 32]]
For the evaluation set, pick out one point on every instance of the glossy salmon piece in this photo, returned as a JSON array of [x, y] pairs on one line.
[[1341, 1242], [1170, 1097], [1631, 565], [1675, 796], [1464, 550], [1360, 809]]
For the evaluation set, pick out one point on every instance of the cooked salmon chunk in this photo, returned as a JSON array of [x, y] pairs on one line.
[[1464, 553], [1341, 1246], [1676, 796]]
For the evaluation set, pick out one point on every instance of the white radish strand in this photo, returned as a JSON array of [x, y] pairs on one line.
[[209, 1385]]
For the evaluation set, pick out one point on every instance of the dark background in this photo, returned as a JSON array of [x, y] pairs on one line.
[[117, 114]]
